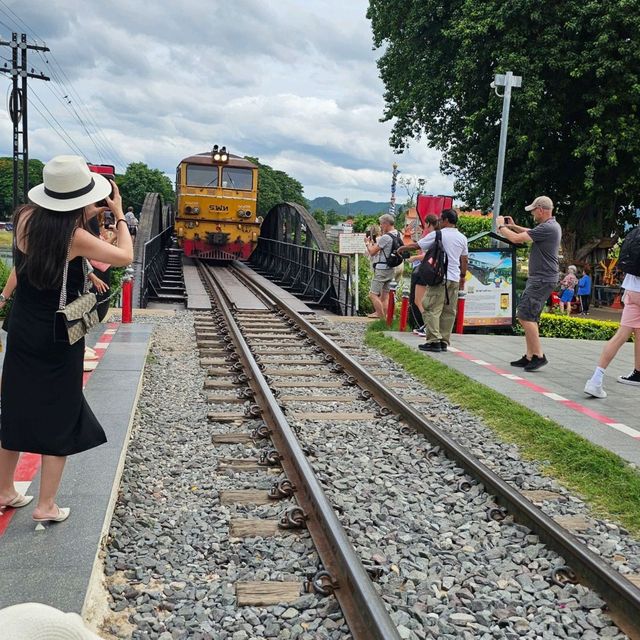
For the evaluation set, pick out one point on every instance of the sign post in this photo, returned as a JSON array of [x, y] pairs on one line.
[[353, 244]]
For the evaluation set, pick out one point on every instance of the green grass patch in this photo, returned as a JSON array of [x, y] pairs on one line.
[[603, 479]]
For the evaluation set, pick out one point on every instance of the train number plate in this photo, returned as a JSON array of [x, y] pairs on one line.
[[218, 207]]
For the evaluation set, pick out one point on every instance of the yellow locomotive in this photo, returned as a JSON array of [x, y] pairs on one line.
[[216, 217]]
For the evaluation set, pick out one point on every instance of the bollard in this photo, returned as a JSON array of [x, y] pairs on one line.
[[459, 328], [391, 308], [127, 295], [404, 310]]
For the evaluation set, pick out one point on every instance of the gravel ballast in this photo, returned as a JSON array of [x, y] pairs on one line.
[[447, 571]]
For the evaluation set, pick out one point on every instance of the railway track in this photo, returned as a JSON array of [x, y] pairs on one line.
[[284, 372]]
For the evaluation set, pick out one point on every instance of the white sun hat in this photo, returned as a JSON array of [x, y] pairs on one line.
[[68, 185], [35, 621]]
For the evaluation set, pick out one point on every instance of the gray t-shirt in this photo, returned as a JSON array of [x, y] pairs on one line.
[[543, 259], [385, 242]]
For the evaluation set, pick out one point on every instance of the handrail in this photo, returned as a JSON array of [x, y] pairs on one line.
[[154, 261], [324, 276]]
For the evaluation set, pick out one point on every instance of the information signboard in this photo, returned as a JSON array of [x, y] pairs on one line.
[[351, 243], [490, 288]]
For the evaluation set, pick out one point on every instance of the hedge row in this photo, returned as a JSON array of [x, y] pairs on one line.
[[557, 326]]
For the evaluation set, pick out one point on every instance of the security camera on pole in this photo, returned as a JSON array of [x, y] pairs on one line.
[[507, 81]]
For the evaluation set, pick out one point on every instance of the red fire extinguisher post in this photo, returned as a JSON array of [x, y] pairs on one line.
[[391, 308], [127, 295], [404, 310]]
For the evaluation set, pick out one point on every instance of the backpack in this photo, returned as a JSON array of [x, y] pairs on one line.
[[629, 258], [433, 268], [394, 259]]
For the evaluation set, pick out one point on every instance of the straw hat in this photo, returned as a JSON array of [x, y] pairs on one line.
[[35, 621], [68, 185]]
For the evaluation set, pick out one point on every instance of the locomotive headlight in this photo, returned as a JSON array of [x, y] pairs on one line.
[[190, 224], [196, 209]]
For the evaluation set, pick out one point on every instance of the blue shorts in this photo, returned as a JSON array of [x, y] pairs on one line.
[[567, 295]]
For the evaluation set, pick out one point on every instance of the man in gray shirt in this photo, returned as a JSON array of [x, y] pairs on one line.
[[379, 251], [543, 274]]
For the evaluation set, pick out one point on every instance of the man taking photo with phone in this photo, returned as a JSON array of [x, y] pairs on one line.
[[543, 273]]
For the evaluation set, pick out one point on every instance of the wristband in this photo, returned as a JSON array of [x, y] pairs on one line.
[[119, 221]]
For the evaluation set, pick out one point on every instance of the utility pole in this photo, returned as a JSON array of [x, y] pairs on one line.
[[507, 81], [18, 108]]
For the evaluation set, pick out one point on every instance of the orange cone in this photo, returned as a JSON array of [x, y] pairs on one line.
[[617, 302]]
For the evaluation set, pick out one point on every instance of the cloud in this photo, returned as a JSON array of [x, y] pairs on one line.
[[293, 83]]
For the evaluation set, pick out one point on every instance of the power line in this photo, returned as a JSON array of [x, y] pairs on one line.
[[44, 106], [70, 143]]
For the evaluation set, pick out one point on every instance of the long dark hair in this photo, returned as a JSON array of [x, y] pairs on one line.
[[46, 235]]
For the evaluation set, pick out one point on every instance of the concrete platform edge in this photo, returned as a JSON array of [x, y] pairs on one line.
[[95, 607]]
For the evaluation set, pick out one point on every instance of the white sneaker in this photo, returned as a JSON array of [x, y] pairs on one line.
[[595, 390]]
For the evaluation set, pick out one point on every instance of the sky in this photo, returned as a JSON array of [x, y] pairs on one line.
[[293, 82]]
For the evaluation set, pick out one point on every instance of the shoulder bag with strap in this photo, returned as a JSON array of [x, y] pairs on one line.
[[73, 320]]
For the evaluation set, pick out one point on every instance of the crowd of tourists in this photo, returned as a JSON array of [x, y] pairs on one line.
[[439, 274]]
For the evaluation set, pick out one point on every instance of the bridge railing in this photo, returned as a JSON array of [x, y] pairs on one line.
[[323, 276], [154, 261]]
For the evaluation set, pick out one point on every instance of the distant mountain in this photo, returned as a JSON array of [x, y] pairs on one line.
[[366, 207]]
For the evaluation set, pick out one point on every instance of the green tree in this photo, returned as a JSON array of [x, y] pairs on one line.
[[138, 180], [574, 128], [275, 187], [320, 217], [6, 183], [333, 217]]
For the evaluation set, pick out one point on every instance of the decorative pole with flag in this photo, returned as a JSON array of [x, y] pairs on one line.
[[394, 180]]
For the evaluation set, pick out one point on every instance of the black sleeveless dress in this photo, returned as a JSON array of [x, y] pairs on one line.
[[43, 407]]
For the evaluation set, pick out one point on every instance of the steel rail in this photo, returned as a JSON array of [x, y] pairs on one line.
[[620, 594], [363, 608]]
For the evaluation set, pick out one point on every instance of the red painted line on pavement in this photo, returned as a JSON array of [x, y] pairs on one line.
[[588, 412], [29, 463]]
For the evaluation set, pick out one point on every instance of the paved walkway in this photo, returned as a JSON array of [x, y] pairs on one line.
[[53, 564], [555, 391]]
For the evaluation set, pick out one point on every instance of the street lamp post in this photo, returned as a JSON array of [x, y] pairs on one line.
[[507, 81]]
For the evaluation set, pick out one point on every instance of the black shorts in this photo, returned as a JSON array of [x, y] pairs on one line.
[[133, 231], [533, 299]]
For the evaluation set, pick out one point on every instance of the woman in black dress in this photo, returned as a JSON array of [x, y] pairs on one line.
[[43, 407]]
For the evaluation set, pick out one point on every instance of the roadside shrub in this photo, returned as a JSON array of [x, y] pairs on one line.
[[557, 326]]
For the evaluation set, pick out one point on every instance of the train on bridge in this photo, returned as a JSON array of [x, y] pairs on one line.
[[216, 216]]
